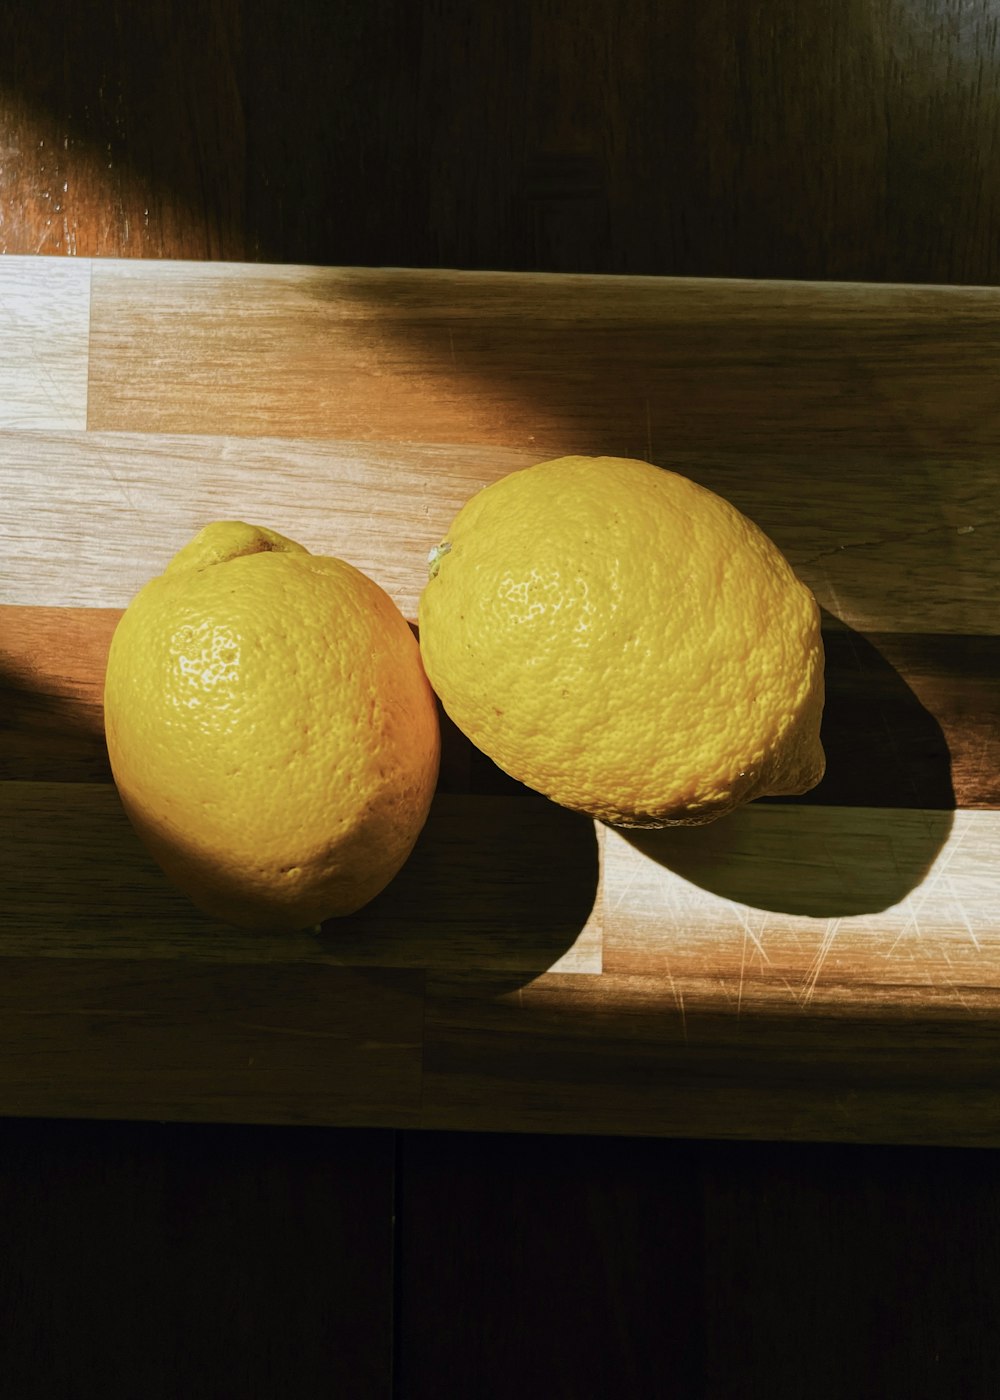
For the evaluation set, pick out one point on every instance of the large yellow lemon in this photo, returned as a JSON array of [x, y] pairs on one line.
[[626, 642], [271, 731]]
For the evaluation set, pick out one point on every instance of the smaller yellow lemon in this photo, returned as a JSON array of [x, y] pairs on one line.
[[626, 642], [271, 731]]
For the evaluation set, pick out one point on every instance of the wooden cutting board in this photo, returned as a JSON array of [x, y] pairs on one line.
[[821, 969]]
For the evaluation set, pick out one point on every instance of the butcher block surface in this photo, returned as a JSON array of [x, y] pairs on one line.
[[824, 968]]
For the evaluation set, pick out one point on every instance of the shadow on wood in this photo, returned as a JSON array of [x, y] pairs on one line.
[[501, 882], [888, 791]]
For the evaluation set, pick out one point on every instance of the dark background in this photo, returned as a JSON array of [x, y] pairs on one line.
[[845, 139]]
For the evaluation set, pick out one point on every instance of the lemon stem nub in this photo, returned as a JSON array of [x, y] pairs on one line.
[[435, 556]]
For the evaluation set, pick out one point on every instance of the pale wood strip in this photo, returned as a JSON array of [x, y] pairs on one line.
[[495, 882], [559, 363], [88, 518], [772, 906], [44, 344], [288, 1042], [784, 906], [643, 1056]]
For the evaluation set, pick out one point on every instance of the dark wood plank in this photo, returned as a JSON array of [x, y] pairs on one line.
[[719, 139], [834, 1272], [122, 130], [561, 1268], [970, 726], [666, 1056], [52, 664], [569, 1267], [264, 1043], [205, 1262], [493, 883]]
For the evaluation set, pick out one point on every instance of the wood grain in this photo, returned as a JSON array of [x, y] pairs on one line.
[[865, 896], [495, 882], [775, 140], [787, 399], [109, 1037], [804, 969], [44, 344], [117, 125], [897, 388], [379, 506], [555, 360], [907, 550], [648, 1056]]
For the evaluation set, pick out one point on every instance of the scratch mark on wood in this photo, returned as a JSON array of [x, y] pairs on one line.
[[832, 928], [918, 898], [957, 897], [743, 965], [959, 997], [748, 931], [624, 894], [679, 999]]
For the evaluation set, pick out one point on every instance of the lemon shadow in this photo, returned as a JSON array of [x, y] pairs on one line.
[[49, 738], [497, 882], [494, 882], [865, 837]]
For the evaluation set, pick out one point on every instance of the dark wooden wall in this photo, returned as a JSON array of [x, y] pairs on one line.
[[853, 139], [849, 139]]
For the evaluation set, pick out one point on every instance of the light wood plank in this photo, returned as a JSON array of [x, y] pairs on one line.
[[44, 344], [781, 905], [89, 517], [559, 363]]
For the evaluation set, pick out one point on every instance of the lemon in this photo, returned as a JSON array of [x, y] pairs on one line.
[[626, 642], [271, 731]]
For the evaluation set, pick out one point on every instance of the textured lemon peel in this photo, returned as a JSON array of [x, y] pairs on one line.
[[261, 825], [225, 540], [713, 698]]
